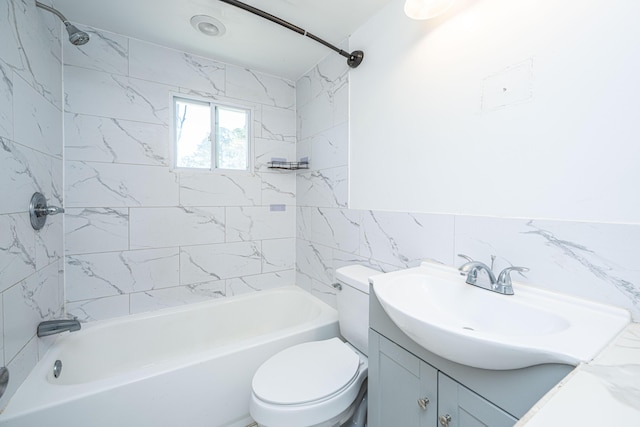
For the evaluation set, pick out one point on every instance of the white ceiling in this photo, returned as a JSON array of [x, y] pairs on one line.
[[249, 40]]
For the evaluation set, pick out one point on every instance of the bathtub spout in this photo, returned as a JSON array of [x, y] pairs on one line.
[[50, 327]]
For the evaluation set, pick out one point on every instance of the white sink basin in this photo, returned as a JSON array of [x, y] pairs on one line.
[[435, 307]]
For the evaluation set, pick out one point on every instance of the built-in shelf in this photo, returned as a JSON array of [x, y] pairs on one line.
[[288, 165]]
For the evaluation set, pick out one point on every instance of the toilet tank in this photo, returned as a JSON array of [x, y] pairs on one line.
[[353, 304]]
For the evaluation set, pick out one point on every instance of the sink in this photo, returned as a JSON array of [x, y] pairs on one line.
[[472, 326]]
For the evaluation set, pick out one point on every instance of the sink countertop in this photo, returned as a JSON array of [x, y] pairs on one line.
[[605, 391]]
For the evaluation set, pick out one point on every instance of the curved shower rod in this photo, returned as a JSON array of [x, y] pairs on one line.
[[353, 59]]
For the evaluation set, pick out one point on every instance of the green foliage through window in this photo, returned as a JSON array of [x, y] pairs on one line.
[[209, 136]]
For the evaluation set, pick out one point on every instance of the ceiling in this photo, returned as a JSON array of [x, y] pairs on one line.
[[249, 40]]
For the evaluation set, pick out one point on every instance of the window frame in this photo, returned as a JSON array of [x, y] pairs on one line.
[[213, 109]]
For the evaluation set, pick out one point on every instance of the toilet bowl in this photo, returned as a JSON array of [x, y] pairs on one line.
[[321, 383], [315, 384]]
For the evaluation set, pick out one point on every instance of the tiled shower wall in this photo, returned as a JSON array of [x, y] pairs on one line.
[[31, 267], [141, 236], [591, 260]]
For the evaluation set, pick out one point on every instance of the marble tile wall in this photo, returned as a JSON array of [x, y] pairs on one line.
[[591, 260], [31, 262], [141, 236]]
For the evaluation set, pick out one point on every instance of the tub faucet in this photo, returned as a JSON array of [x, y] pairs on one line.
[[50, 327], [501, 285]]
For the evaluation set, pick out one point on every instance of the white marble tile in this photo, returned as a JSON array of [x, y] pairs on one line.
[[100, 308], [251, 85], [98, 139], [303, 281], [56, 196], [324, 292], [199, 264], [303, 151], [18, 176], [105, 51], [160, 64], [10, 51], [17, 249], [171, 297], [278, 124], [405, 239], [92, 230], [330, 148], [91, 276], [325, 77], [217, 189], [259, 222], [6, 101], [28, 303], [303, 222], [326, 188], [315, 117], [110, 184], [592, 261], [260, 282], [32, 47], [37, 123], [314, 261], [120, 97], [176, 226], [279, 188], [337, 228], [49, 241], [19, 369], [278, 255], [343, 259], [2, 330], [268, 149]]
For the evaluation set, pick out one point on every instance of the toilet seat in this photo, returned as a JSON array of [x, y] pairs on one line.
[[306, 373]]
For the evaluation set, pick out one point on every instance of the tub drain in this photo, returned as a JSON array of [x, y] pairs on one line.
[[57, 368]]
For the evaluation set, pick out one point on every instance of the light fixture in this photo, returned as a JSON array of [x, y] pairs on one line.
[[426, 9], [208, 25]]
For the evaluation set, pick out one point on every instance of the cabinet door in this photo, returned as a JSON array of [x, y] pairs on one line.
[[466, 408], [403, 389]]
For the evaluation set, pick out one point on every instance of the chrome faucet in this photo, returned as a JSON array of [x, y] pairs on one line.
[[50, 327], [501, 285]]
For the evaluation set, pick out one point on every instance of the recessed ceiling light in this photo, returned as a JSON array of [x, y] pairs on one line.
[[208, 25]]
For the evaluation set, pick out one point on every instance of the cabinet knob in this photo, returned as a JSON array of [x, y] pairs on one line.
[[444, 420], [423, 402]]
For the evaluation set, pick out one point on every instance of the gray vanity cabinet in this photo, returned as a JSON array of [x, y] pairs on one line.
[[412, 387], [403, 391], [467, 409]]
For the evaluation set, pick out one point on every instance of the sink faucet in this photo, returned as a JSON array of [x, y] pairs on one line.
[[501, 285], [50, 327]]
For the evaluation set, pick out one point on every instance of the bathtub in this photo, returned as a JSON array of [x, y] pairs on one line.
[[186, 366]]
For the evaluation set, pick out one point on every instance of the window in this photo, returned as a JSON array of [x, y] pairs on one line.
[[210, 136]]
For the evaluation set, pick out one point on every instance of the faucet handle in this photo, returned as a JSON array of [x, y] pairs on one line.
[[504, 278], [467, 257]]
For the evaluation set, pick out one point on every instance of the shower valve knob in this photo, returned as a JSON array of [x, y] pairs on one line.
[[38, 210]]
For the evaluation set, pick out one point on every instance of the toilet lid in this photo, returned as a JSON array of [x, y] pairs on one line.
[[306, 372]]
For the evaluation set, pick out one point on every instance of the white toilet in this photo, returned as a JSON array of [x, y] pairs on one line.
[[321, 383]]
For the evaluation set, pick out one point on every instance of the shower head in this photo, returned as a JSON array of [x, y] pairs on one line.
[[76, 37]]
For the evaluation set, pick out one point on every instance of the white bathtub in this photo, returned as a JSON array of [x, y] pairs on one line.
[[187, 366]]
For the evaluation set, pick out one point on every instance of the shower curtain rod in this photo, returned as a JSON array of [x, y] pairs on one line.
[[353, 59]]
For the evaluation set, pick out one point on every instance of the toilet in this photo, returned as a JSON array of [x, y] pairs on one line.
[[321, 383]]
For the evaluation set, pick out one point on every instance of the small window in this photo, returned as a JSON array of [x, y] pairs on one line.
[[211, 136]]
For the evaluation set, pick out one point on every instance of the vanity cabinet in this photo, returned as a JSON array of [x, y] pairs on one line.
[[406, 391], [412, 387]]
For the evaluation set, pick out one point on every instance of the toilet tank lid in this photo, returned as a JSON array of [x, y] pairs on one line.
[[356, 276]]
